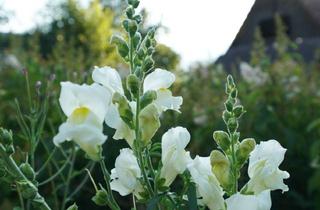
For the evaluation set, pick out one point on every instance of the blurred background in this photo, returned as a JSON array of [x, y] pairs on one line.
[[273, 51]]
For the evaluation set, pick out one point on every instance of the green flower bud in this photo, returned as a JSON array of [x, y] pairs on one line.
[[230, 82], [28, 190], [138, 18], [149, 120], [147, 98], [6, 136], [151, 33], [220, 167], [141, 52], [136, 40], [229, 105], [73, 207], [222, 139], [232, 125], [150, 51], [244, 150], [226, 116], [130, 12], [132, 28], [124, 109], [138, 72], [121, 44], [147, 43], [9, 149], [234, 93], [125, 24], [27, 170], [238, 111], [101, 198], [134, 3], [148, 64], [3, 171], [133, 84]]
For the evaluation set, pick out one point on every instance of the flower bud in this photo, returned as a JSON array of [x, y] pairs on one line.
[[124, 109], [226, 116], [101, 198], [148, 64], [132, 28], [232, 125], [238, 111], [73, 207], [150, 50], [147, 98], [136, 40], [3, 171], [221, 168], [244, 150], [121, 44], [138, 18], [234, 93], [149, 120], [230, 82], [27, 170], [134, 3], [28, 190], [9, 149], [6, 136], [133, 84], [130, 12], [222, 139]]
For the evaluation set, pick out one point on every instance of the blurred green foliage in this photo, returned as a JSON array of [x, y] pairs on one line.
[[286, 106]]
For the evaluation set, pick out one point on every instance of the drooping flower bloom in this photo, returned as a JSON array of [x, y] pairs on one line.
[[160, 80], [174, 157], [208, 187], [263, 168], [110, 78], [261, 201], [85, 106], [125, 176]]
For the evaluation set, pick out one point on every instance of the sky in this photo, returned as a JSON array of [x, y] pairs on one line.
[[198, 30]]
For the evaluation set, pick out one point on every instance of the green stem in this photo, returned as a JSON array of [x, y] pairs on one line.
[[20, 177], [112, 204], [20, 198], [66, 191]]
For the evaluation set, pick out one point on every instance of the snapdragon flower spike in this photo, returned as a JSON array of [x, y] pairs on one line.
[[261, 201], [174, 157], [208, 187], [126, 174], [263, 168], [85, 106]]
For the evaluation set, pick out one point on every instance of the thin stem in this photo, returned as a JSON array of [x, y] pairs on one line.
[[66, 191], [134, 202], [20, 198], [131, 55], [234, 167], [112, 204], [47, 161]]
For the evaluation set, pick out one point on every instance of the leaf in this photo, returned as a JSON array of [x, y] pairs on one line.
[[192, 197]]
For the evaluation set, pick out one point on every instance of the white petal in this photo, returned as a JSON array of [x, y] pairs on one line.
[[262, 201], [208, 186], [166, 101], [263, 168], [109, 78], [124, 132], [158, 79], [88, 136], [126, 173], [93, 97], [112, 117]]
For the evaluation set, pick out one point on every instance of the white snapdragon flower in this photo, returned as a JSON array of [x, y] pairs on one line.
[[263, 168], [238, 201], [110, 78], [125, 176], [160, 80], [174, 157], [253, 75], [85, 106], [208, 187]]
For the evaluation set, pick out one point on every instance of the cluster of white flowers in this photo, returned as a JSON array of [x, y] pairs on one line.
[[88, 106], [253, 75]]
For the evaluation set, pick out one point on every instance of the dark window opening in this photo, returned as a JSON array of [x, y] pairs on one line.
[[268, 27]]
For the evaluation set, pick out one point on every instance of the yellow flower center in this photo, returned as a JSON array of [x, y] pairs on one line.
[[79, 115]]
